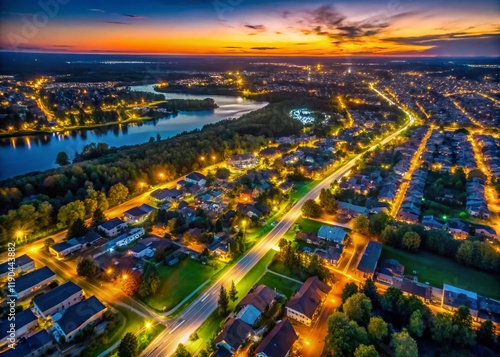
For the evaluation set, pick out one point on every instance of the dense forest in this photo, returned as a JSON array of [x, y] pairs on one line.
[[44, 193]]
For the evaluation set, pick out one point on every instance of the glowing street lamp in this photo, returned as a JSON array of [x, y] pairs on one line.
[[148, 325], [162, 175], [124, 276]]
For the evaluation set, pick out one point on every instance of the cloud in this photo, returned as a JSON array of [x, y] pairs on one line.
[[97, 10], [62, 46], [116, 22], [263, 48], [232, 47], [133, 16], [429, 39], [256, 28]]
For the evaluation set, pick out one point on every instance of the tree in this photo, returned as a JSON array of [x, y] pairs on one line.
[[159, 254], [411, 241], [349, 290], [71, 212], [390, 298], [128, 346], [49, 242], [358, 308], [311, 209], [370, 290], [86, 267], [77, 229], [130, 283], [344, 336], [223, 173], [62, 159], [416, 325], [150, 281], [366, 351], [223, 302], [360, 224], [181, 351], [117, 194], [462, 320], [404, 345], [486, 333], [377, 329], [328, 201], [98, 217], [233, 293], [378, 222]]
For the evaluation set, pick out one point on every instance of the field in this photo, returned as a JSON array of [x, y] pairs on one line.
[[282, 285], [438, 270], [309, 225], [178, 281], [301, 188]]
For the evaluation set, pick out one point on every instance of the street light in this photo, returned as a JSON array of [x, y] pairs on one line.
[[148, 325], [125, 276]]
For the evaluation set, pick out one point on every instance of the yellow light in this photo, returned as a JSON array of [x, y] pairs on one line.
[[148, 325], [202, 158], [109, 270], [124, 277], [19, 233]]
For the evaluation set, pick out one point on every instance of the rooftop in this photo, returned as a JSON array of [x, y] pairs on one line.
[[23, 318], [56, 295], [370, 257], [31, 344], [335, 234], [112, 223], [279, 341], [31, 279], [309, 297], [20, 261], [78, 314]]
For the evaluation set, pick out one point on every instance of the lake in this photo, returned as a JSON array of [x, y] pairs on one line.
[[24, 154]]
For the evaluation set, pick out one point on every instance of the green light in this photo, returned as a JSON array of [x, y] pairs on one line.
[[444, 217]]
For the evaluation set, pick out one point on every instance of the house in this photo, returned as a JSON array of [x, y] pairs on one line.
[[243, 161], [407, 217], [332, 254], [352, 210], [63, 249], [332, 234], [25, 322], [126, 238], [90, 239], [35, 345], [309, 238], [286, 186], [458, 228], [35, 280], [302, 306], [196, 178], [138, 214], [57, 299], [233, 335], [255, 303], [140, 251], [368, 262], [112, 227], [485, 231], [389, 271], [429, 222], [279, 342], [161, 196], [219, 249], [76, 317], [375, 206], [454, 297], [411, 287], [21, 264]]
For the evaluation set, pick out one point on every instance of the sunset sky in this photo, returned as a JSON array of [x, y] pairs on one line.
[[253, 27]]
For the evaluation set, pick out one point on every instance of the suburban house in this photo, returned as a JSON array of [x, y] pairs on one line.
[[25, 322], [375, 206], [57, 299], [35, 345], [138, 214], [331, 254], [22, 264], [141, 250], [125, 238], [454, 297], [368, 262], [166, 195], [412, 287], [63, 249], [309, 238], [429, 222], [112, 227], [302, 306], [76, 317], [458, 228], [243, 161], [219, 248], [255, 303], [352, 210], [196, 178], [90, 239], [332, 234], [35, 280], [485, 231], [234, 334], [389, 271], [279, 342]]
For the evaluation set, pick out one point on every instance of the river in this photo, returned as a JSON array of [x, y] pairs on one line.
[[24, 154]]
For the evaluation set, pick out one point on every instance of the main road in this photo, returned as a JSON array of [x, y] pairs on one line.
[[202, 307]]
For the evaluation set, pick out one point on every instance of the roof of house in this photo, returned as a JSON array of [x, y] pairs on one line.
[[140, 211], [413, 288], [335, 234], [456, 297], [196, 176], [23, 318], [260, 297], [488, 229], [309, 297], [56, 296], [112, 223], [30, 345], [235, 333], [370, 257], [249, 314], [20, 261], [392, 267], [31, 279], [351, 207], [139, 247], [222, 352], [60, 247], [78, 314], [162, 194], [279, 341], [458, 224]]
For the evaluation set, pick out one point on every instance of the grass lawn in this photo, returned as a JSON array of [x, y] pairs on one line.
[[280, 268], [301, 188], [438, 270], [309, 225], [178, 281], [282, 286], [212, 325]]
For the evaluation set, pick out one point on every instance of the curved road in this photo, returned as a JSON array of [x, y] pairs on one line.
[[179, 330]]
